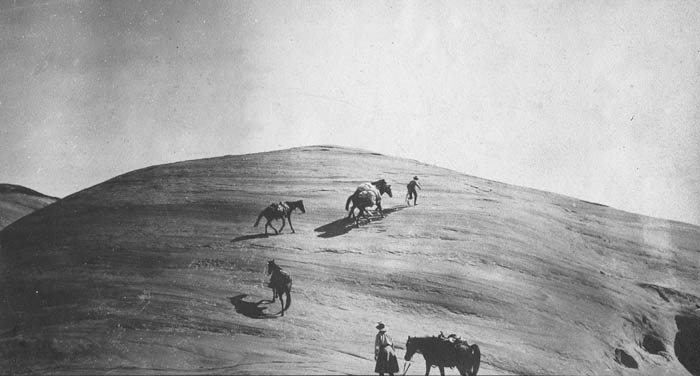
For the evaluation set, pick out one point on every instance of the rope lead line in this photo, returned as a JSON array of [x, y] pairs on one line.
[[405, 368]]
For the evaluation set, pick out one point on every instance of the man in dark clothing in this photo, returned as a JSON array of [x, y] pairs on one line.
[[412, 193], [384, 352]]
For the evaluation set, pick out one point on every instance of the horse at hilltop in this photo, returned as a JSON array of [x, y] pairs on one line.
[[280, 283], [280, 211], [445, 352], [366, 196]]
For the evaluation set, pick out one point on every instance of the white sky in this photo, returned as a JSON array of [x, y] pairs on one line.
[[593, 99]]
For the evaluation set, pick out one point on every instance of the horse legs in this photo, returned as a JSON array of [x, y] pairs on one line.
[[281, 301], [442, 370], [475, 360], [290, 224], [468, 362], [427, 368], [273, 227], [351, 212], [367, 215], [283, 223], [359, 214]]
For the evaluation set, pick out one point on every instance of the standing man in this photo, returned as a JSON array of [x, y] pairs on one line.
[[384, 352], [412, 193]]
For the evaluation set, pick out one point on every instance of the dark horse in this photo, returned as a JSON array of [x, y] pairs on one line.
[[277, 211], [442, 353], [367, 195], [280, 283]]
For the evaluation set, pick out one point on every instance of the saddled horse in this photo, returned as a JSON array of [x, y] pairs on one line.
[[277, 211], [280, 283], [366, 196], [442, 353]]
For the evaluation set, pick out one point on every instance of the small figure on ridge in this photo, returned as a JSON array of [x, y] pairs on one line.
[[412, 193]]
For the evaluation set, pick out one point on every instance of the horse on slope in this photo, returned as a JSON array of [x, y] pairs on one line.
[[280, 211], [443, 353], [367, 195], [280, 283]]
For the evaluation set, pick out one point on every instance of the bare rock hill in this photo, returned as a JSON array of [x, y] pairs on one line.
[[160, 271], [17, 201]]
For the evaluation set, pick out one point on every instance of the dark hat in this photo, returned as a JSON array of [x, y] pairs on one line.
[[415, 178], [380, 326]]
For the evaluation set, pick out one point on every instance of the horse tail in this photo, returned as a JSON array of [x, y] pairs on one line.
[[476, 355], [347, 203], [260, 216], [289, 298]]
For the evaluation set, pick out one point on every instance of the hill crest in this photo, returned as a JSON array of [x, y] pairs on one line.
[[164, 261], [17, 201]]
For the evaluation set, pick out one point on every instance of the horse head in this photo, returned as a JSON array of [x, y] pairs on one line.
[[300, 205], [271, 266], [383, 187], [379, 183], [411, 349]]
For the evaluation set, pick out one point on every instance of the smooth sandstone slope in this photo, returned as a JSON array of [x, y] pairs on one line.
[[17, 201], [160, 271]]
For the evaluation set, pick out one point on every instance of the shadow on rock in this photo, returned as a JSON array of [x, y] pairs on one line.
[[249, 237], [336, 228], [394, 209], [250, 309], [377, 217], [344, 225]]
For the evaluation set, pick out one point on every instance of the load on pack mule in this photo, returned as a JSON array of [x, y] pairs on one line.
[[280, 283], [283, 211], [366, 196], [441, 351]]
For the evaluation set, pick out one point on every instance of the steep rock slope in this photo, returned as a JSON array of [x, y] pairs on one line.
[[17, 201], [161, 271]]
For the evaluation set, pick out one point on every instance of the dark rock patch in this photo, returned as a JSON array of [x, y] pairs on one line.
[[653, 344], [687, 343], [625, 359]]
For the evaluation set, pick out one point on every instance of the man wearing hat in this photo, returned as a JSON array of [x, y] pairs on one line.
[[412, 194], [384, 352]]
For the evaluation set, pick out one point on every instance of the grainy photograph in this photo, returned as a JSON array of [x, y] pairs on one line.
[[253, 187]]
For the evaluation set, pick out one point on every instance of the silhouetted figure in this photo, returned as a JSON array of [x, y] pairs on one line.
[[280, 283], [280, 211], [412, 193]]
